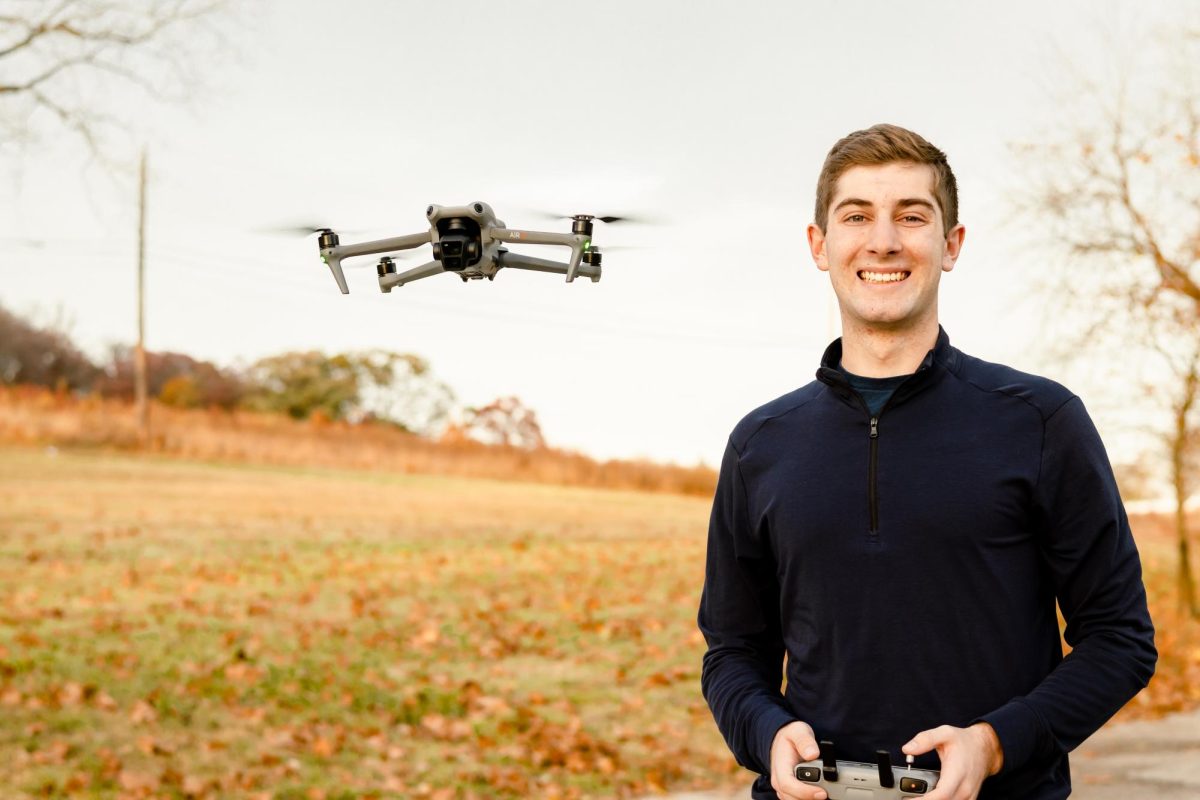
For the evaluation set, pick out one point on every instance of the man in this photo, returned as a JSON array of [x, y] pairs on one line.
[[902, 527]]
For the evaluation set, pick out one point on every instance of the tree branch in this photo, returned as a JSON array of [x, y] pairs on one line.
[[1172, 276], [61, 53]]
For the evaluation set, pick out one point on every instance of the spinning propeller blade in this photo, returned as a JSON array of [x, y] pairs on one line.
[[303, 229], [609, 219]]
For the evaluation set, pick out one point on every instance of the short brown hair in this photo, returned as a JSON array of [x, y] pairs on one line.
[[885, 144]]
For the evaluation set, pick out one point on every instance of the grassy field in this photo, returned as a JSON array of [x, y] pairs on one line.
[[180, 629], [184, 629]]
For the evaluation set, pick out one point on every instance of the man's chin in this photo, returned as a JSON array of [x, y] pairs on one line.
[[891, 321]]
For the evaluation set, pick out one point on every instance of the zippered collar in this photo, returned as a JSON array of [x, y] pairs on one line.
[[942, 356]]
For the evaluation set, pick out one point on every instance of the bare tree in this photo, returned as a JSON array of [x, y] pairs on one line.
[[1181, 352], [41, 355], [62, 60], [1115, 183], [505, 421]]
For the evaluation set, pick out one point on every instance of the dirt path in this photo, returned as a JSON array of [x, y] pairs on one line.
[[1159, 759]]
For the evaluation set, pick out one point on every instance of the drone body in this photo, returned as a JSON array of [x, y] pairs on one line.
[[469, 242]]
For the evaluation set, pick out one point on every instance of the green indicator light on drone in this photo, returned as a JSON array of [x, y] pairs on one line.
[[587, 244]]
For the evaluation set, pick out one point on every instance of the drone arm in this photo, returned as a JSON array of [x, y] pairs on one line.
[[383, 245], [333, 255], [388, 282], [576, 241], [520, 261]]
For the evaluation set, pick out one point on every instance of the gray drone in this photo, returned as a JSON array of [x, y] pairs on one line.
[[468, 241]]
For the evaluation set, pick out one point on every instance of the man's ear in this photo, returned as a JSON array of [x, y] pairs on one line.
[[816, 243], [954, 243]]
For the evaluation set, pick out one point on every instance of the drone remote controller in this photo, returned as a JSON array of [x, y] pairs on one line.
[[855, 780]]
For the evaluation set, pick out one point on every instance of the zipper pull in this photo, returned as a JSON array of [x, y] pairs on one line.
[[874, 427]]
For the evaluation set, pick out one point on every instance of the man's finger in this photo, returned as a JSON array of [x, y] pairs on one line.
[[795, 742], [806, 746], [803, 741], [925, 741]]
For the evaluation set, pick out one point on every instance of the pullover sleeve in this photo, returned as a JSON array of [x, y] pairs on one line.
[[1091, 558], [739, 617]]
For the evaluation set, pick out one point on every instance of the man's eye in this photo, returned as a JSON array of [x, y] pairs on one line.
[[912, 218], [856, 218]]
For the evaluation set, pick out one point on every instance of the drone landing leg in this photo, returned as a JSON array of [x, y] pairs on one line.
[[388, 282], [519, 261]]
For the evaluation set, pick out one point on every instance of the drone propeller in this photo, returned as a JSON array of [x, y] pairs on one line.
[[303, 230], [608, 219]]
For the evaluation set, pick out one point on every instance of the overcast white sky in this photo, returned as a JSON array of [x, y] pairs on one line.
[[712, 118]]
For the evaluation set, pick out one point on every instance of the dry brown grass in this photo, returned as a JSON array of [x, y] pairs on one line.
[[184, 630], [29, 415]]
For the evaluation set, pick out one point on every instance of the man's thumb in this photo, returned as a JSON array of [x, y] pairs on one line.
[[801, 737]]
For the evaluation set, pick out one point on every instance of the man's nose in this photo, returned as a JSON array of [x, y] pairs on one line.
[[884, 238]]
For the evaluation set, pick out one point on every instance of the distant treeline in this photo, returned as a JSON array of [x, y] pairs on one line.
[[369, 409], [397, 389]]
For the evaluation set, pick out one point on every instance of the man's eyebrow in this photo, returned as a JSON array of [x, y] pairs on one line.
[[853, 201], [903, 203]]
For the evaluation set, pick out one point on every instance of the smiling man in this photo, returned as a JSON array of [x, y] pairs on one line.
[[902, 528]]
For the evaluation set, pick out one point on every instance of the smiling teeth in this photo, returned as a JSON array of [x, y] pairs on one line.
[[883, 277]]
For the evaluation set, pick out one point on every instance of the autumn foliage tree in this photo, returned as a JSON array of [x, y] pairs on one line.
[[1114, 183], [176, 379], [398, 388]]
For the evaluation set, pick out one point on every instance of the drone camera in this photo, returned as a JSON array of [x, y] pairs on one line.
[[458, 245]]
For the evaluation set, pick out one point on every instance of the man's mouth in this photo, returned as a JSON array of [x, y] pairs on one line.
[[883, 277]]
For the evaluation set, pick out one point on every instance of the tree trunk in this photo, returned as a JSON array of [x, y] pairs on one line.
[[1185, 582]]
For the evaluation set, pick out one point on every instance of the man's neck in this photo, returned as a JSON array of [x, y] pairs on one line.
[[876, 353]]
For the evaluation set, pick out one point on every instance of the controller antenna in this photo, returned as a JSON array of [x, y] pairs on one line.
[[883, 760], [828, 761]]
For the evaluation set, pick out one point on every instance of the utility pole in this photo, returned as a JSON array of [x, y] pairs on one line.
[[143, 409]]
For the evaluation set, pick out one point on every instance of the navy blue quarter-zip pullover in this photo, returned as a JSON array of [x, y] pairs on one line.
[[908, 565]]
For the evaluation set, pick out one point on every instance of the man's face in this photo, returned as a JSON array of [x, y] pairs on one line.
[[883, 246]]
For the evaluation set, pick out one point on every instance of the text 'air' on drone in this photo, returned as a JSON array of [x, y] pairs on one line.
[[469, 242]]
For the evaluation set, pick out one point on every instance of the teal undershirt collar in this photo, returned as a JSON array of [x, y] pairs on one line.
[[875, 391]]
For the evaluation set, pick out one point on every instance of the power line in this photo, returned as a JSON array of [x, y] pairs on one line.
[[525, 315]]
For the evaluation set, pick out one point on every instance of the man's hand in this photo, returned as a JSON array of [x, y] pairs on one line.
[[794, 743], [969, 755]]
